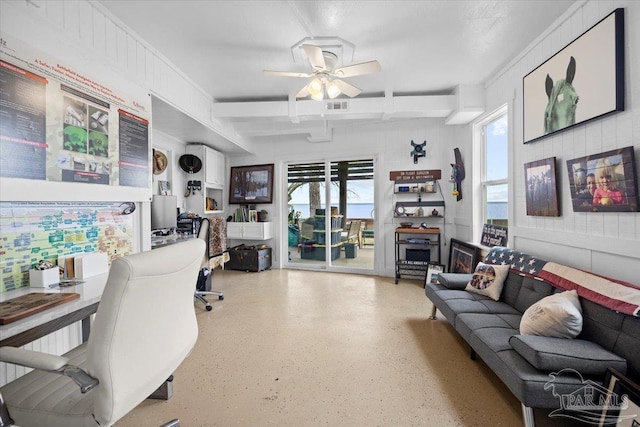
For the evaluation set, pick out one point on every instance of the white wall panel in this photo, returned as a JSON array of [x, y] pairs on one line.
[[111, 41], [71, 19], [85, 24], [55, 11], [122, 45], [99, 32], [572, 230]]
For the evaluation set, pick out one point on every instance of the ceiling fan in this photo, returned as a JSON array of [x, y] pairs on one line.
[[325, 77]]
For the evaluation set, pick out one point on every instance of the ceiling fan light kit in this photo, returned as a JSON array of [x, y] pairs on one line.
[[325, 76]]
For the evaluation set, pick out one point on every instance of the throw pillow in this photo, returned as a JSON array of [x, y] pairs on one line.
[[558, 315], [488, 280]]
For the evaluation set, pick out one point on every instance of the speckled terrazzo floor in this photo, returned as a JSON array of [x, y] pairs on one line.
[[297, 348]]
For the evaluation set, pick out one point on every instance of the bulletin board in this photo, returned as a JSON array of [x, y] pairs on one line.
[[68, 127], [31, 231]]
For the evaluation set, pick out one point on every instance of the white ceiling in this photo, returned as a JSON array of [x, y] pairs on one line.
[[425, 48]]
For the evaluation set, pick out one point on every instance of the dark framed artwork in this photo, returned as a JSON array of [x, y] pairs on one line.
[[622, 402], [463, 257], [604, 182], [541, 188], [583, 81], [251, 184]]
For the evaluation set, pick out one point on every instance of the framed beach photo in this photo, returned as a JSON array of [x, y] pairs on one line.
[[463, 257], [583, 81], [604, 182], [251, 184], [541, 188]]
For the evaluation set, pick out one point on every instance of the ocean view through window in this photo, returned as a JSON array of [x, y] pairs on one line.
[[491, 137]]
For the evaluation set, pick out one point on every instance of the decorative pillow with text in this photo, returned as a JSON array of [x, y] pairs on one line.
[[558, 315], [488, 280]]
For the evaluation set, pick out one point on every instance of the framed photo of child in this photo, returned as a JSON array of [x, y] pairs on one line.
[[604, 182]]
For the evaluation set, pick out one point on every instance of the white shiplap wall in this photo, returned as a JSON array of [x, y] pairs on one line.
[[606, 243]]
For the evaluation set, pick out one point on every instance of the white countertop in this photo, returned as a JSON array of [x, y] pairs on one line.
[[90, 292]]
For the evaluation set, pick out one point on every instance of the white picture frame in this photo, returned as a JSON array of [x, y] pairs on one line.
[[432, 273]]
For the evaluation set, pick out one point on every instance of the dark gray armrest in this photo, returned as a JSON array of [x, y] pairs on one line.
[[454, 280]]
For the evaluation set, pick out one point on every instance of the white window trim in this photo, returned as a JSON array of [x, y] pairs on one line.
[[479, 183]]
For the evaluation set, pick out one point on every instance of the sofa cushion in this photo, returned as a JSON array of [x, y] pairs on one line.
[[558, 315], [488, 280], [531, 290], [555, 354], [454, 280], [467, 302], [469, 323]]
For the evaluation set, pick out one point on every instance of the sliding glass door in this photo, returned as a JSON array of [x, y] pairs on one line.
[[331, 215]]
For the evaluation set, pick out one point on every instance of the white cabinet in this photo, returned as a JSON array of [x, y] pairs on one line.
[[250, 230], [215, 168], [210, 199]]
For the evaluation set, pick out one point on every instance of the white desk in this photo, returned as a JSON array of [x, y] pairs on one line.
[[38, 325]]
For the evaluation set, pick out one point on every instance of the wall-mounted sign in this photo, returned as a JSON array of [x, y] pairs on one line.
[[67, 122], [494, 235], [418, 175]]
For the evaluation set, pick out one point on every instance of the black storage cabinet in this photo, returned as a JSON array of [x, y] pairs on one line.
[[247, 258]]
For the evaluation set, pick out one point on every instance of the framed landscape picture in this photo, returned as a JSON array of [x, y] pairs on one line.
[[541, 187], [463, 257], [604, 182], [251, 184], [583, 81]]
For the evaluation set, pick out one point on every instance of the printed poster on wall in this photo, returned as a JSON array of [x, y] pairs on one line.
[[59, 124]]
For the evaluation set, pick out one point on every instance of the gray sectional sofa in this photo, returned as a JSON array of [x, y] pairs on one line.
[[539, 370]]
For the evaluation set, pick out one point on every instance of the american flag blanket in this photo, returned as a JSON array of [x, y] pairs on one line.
[[614, 294]]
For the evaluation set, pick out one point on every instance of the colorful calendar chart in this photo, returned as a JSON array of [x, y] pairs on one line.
[[32, 231]]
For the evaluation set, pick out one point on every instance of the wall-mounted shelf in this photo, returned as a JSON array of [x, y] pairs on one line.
[[422, 186], [250, 230], [211, 177]]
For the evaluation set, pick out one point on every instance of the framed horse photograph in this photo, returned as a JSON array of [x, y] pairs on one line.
[[583, 81]]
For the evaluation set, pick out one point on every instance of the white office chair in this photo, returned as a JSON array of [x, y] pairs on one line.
[[205, 270], [144, 328]]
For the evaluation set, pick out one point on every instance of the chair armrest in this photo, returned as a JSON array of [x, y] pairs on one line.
[[32, 359], [49, 363]]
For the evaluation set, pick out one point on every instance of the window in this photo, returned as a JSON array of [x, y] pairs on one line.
[[491, 203]]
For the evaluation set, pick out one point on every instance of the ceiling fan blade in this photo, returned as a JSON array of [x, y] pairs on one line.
[[346, 88], [303, 92], [314, 54], [358, 69], [285, 73]]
